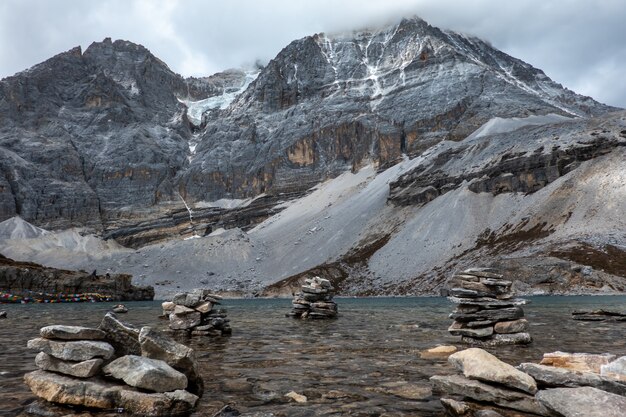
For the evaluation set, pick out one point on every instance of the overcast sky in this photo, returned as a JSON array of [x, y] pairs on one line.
[[578, 43]]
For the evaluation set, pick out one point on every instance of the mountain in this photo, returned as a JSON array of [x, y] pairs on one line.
[[382, 159]]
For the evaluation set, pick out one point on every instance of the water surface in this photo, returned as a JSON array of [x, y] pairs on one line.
[[365, 363]]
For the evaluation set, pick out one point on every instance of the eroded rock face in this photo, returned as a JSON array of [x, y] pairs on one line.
[[483, 366], [146, 373]]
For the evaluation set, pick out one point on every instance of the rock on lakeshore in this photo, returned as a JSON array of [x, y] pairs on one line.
[[146, 373], [71, 333], [481, 365], [582, 402]]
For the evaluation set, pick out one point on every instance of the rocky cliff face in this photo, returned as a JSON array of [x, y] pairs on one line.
[[102, 138]]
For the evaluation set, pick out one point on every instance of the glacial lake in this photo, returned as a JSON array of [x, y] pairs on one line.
[[365, 363]]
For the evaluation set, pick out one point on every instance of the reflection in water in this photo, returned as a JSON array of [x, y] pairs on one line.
[[364, 363]]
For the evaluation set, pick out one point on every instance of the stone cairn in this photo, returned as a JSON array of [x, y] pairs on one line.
[[315, 301], [194, 313], [116, 367], [486, 313], [563, 384]]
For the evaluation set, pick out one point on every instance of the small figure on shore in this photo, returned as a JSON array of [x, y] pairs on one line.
[[120, 308]]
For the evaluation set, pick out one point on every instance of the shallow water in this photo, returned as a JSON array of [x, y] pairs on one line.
[[366, 362]]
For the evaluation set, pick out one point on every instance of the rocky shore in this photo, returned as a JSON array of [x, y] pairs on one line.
[[116, 367], [37, 282], [562, 385]]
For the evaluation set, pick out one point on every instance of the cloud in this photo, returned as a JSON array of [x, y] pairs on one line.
[[579, 44]]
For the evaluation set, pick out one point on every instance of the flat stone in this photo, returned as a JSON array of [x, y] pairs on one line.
[[584, 362], [73, 350], [61, 389], [71, 333], [168, 307], [509, 313], [156, 345], [499, 340], [124, 337], [489, 302], [466, 277], [299, 398], [204, 307], [459, 329], [600, 312], [85, 369], [507, 327], [496, 282], [615, 369], [185, 321], [551, 377], [438, 352], [189, 300], [481, 365], [479, 391], [146, 373], [408, 391], [182, 310], [173, 403], [471, 293], [582, 402]]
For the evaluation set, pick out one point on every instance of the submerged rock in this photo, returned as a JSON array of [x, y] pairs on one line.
[[146, 373], [483, 366], [499, 340], [438, 352], [120, 309], [71, 333], [582, 402]]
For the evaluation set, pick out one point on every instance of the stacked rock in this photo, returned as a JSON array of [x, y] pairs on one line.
[[486, 312], [194, 313], [79, 366], [315, 301]]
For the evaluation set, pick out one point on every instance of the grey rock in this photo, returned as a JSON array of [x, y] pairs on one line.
[[146, 373], [582, 402], [615, 370], [459, 329], [552, 377], [499, 340], [123, 336], [483, 366], [73, 350], [71, 333], [479, 391], [173, 403], [85, 369], [185, 321], [516, 326], [501, 314], [156, 345]]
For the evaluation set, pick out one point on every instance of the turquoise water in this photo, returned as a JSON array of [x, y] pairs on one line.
[[366, 362]]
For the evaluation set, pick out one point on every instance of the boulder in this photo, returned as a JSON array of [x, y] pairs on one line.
[[481, 365], [550, 376], [584, 362], [71, 333], [85, 369], [155, 345], [615, 370], [120, 309], [187, 299], [62, 389], [123, 336], [582, 402], [460, 329], [73, 350], [149, 374], [507, 327], [499, 340], [479, 391]]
